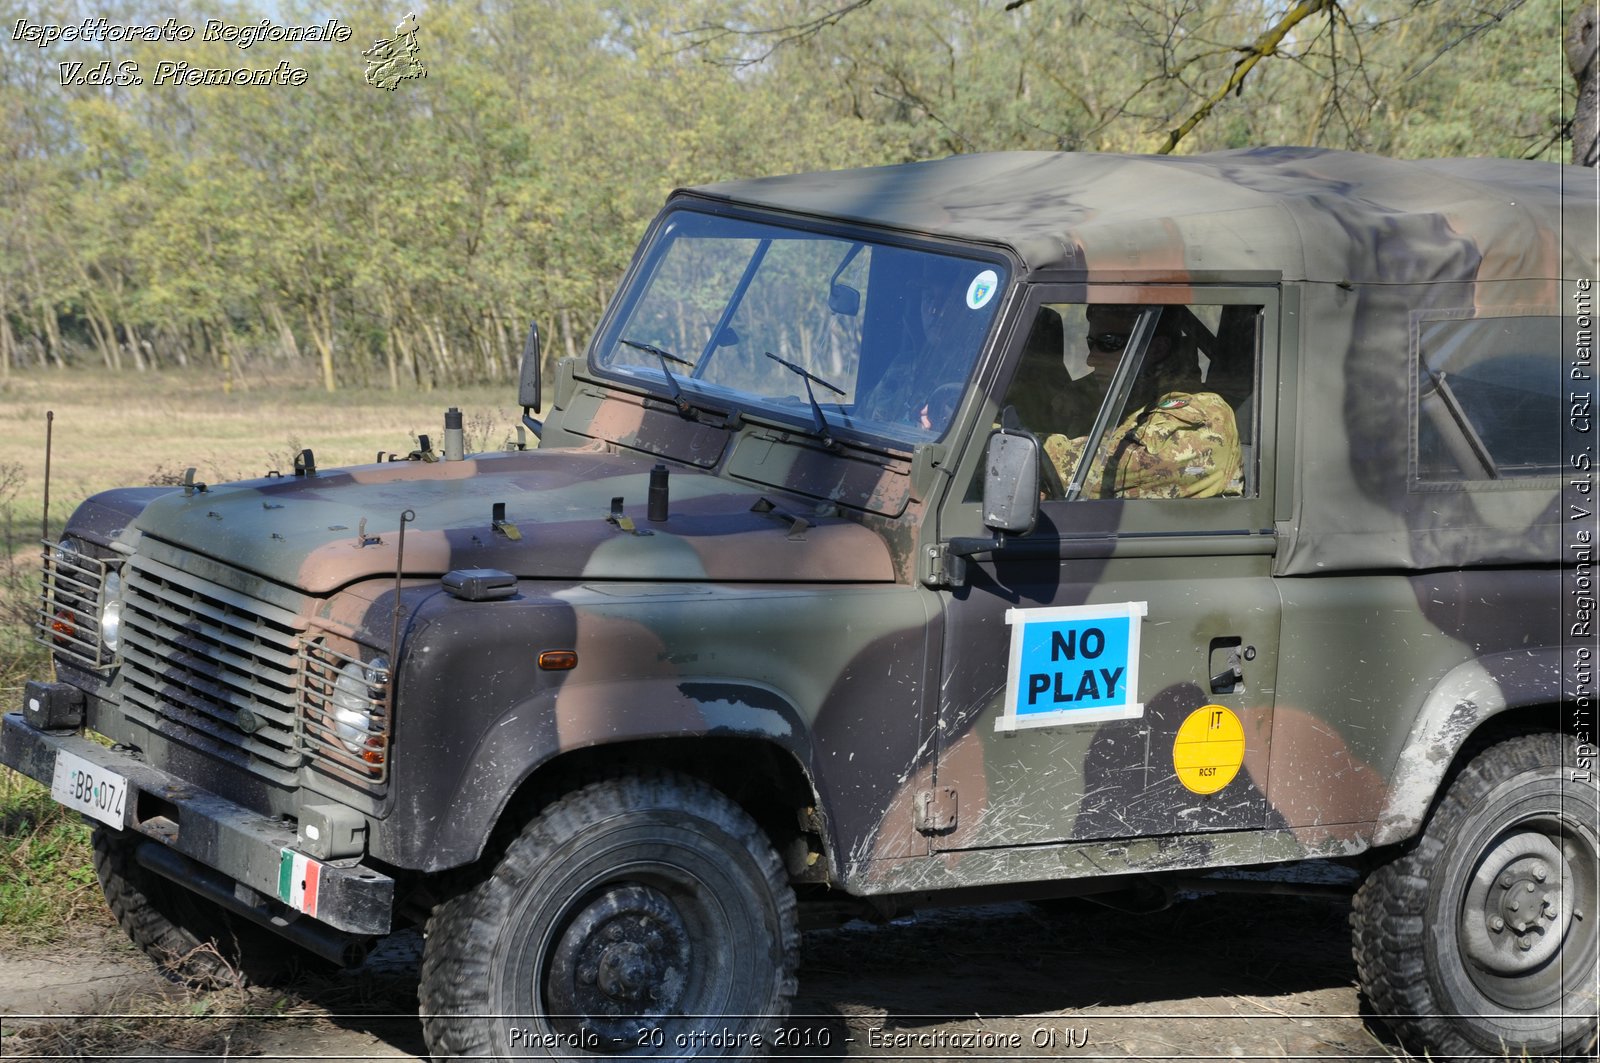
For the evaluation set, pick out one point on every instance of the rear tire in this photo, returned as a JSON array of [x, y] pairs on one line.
[[640, 916], [1481, 937], [189, 937]]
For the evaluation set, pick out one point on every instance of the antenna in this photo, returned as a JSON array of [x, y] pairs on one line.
[[49, 432], [406, 517]]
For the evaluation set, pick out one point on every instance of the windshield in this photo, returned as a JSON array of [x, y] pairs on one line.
[[838, 334]]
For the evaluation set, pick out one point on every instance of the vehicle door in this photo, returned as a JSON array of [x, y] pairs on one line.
[[1111, 673]]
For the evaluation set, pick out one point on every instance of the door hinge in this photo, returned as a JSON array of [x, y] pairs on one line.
[[941, 568], [936, 810]]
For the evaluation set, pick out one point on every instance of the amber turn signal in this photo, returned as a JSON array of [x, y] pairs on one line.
[[558, 660]]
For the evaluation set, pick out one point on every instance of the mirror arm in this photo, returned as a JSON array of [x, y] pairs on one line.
[[968, 545], [534, 426]]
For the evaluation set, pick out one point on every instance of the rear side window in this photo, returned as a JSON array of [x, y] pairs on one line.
[[1487, 396]]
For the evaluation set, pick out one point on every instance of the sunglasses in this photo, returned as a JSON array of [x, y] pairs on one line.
[[1108, 342]]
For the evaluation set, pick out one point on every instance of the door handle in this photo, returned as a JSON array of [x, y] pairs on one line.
[[1227, 681], [1228, 655]]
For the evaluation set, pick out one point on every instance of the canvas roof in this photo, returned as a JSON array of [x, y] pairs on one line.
[[1305, 213]]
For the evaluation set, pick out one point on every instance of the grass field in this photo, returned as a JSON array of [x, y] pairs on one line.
[[115, 430], [124, 429]]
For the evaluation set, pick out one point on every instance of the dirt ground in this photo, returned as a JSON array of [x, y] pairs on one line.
[[1214, 977]]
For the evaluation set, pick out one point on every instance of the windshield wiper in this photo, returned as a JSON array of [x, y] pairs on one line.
[[672, 382], [820, 425]]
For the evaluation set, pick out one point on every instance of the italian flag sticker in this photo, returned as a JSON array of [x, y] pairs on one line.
[[297, 881]]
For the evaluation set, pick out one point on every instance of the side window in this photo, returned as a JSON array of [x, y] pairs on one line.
[[1141, 401], [1487, 399]]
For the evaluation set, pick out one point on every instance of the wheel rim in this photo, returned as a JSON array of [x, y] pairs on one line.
[[1529, 903], [674, 912], [622, 964]]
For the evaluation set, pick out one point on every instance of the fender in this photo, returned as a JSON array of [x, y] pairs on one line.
[[104, 518], [475, 715], [536, 730], [1469, 694]]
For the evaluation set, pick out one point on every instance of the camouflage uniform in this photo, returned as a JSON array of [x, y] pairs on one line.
[[1184, 445]]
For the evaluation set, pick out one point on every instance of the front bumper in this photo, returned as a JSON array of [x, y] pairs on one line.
[[256, 852]]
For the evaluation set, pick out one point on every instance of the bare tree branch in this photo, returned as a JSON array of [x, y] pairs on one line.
[[1338, 94], [912, 100], [793, 33], [1467, 33], [1264, 46]]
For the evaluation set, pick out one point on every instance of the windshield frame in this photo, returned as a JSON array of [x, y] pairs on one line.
[[703, 395]]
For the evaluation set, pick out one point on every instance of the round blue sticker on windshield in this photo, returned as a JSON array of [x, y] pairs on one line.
[[982, 289]]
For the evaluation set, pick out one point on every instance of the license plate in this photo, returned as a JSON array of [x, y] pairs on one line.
[[86, 787]]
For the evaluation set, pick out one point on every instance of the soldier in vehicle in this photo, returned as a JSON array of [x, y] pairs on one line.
[[944, 334], [1178, 439], [936, 304]]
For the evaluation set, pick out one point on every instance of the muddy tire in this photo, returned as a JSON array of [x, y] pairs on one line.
[[646, 916], [1480, 939], [189, 937]]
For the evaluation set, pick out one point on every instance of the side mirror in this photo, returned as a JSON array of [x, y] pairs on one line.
[[844, 300], [1011, 483], [528, 380], [1010, 496]]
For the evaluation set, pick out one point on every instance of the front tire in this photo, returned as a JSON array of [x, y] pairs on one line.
[[645, 916], [1481, 938], [189, 937]]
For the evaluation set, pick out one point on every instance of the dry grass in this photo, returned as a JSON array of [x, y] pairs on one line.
[[117, 430], [130, 429], [139, 1024]]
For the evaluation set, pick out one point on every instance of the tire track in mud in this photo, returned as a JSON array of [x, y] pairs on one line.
[[1213, 976]]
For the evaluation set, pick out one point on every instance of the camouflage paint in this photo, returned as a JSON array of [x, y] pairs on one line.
[[307, 532], [1386, 622]]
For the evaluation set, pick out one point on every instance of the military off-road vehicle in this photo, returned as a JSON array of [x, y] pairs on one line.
[[798, 601]]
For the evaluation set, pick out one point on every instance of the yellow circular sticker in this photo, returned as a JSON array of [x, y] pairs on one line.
[[1209, 749]]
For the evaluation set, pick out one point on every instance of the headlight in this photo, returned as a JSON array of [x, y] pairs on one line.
[[111, 611], [356, 693], [342, 712], [81, 607]]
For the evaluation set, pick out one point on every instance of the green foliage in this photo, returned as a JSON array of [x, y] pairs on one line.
[[405, 238], [46, 879]]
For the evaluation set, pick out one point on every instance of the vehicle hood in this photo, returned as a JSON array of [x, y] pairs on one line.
[[321, 532]]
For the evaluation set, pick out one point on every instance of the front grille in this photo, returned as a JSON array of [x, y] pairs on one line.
[[211, 667], [68, 620]]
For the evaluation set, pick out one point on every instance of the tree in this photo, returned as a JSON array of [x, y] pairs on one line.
[[1581, 51], [407, 237], [1151, 75]]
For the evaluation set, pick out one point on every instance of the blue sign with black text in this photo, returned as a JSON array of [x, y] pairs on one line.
[[1073, 664]]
